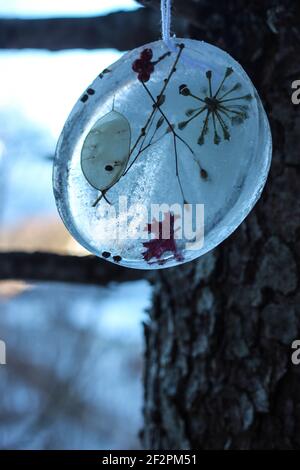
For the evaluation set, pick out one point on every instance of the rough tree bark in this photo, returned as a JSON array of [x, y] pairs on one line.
[[218, 369]]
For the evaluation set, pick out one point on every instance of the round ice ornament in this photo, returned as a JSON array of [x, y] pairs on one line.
[[163, 156]]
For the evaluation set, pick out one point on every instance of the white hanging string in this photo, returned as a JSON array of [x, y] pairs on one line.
[[165, 6]]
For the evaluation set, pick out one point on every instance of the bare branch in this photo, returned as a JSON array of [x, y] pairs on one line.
[[52, 267], [120, 30]]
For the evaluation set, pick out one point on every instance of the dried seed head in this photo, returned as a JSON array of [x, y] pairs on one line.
[[237, 86], [203, 174], [170, 128], [217, 138], [184, 90], [182, 125], [226, 134], [229, 71], [160, 100], [201, 139], [190, 112], [159, 122]]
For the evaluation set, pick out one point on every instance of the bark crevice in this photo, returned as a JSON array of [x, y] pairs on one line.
[[236, 310]]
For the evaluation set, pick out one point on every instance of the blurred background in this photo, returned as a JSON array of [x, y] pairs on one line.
[[73, 377]]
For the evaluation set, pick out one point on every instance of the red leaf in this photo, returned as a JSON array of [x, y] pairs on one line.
[[158, 246]]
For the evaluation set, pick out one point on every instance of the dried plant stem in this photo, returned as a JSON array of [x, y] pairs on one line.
[[155, 108], [175, 136], [144, 131], [102, 195]]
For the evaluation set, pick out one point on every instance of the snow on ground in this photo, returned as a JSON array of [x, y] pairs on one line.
[[74, 366]]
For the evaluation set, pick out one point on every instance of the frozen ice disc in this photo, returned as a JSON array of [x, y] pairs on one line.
[[163, 156]]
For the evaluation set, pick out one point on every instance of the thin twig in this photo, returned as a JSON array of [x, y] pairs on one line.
[[175, 136], [154, 110]]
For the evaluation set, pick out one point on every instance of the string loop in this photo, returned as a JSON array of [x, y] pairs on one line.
[[166, 20]]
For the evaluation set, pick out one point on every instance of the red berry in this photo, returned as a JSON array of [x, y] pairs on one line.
[[138, 66], [146, 55], [143, 76], [149, 67]]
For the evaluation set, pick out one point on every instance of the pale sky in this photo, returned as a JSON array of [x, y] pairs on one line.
[[39, 8], [44, 85]]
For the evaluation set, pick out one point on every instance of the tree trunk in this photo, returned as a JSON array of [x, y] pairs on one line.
[[218, 371]]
